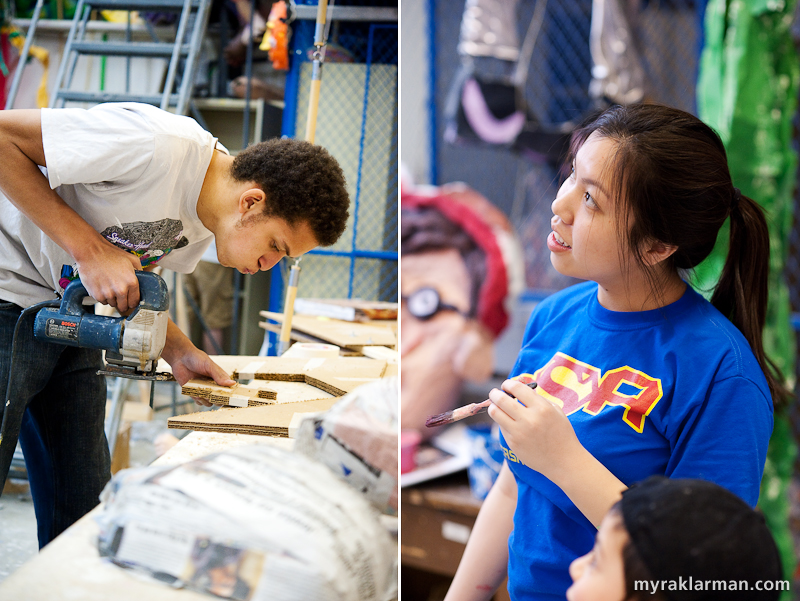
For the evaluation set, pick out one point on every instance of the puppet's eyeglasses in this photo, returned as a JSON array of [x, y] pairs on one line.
[[425, 303]]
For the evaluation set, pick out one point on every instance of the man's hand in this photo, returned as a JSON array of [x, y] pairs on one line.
[[109, 277], [188, 361], [194, 363]]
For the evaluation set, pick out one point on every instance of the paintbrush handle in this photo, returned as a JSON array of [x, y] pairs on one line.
[[476, 408], [470, 410]]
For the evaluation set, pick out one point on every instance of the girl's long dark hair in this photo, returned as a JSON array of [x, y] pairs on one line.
[[670, 177]]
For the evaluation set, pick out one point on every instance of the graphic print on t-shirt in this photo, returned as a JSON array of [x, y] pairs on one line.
[[151, 241], [574, 385]]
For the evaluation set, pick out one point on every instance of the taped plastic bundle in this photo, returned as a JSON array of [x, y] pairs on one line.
[[252, 523], [357, 440]]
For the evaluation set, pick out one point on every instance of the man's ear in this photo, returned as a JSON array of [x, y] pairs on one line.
[[656, 251], [252, 199]]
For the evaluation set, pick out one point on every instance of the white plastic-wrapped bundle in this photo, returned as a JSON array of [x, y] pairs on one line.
[[357, 439], [253, 523]]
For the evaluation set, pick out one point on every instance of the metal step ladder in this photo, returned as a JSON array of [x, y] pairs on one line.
[[182, 52]]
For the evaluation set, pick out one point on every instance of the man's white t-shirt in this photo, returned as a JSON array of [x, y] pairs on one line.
[[133, 172]]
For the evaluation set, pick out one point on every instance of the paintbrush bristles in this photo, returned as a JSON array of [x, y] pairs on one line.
[[448, 417], [439, 420]]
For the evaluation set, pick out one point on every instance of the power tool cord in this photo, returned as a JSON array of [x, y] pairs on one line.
[[13, 411]]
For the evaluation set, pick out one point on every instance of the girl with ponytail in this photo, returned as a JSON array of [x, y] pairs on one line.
[[637, 373]]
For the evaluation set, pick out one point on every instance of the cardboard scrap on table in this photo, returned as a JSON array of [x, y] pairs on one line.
[[337, 376], [346, 309], [295, 336], [268, 420], [392, 369], [341, 333], [234, 396], [384, 353]]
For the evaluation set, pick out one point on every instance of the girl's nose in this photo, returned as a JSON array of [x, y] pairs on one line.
[[561, 205]]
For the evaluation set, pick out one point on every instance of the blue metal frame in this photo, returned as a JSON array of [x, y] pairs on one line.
[[370, 43], [433, 126], [386, 255], [300, 38]]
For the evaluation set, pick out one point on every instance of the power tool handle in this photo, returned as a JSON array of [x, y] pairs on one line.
[[72, 301], [152, 291]]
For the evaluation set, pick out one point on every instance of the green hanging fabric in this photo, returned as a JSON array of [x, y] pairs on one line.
[[747, 91], [50, 9]]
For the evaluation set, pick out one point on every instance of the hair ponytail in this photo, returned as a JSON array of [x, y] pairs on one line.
[[743, 288]]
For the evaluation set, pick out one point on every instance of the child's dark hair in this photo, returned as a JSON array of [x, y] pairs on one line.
[[635, 569], [670, 177], [686, 532], [303, 182]]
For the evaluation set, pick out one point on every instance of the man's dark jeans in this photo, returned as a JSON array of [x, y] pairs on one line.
[[62, 436]]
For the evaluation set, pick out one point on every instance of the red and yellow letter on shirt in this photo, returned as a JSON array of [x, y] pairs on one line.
[[574, 385]]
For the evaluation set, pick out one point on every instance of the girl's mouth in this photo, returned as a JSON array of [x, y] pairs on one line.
[[556, 244], [560, 240]]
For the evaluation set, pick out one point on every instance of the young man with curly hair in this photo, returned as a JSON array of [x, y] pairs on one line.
[[99, 194]]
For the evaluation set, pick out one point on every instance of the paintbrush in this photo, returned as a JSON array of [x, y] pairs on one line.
[[448, 417]]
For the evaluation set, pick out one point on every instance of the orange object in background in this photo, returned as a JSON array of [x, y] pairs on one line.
[[276, 37]]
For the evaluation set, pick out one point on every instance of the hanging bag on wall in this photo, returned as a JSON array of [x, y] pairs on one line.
[[491, 110]]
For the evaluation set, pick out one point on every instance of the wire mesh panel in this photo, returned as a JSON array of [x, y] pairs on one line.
[[357, 122], [559, 71], [670, 34]]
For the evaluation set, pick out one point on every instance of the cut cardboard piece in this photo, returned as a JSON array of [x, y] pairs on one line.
[[269, 420], [295, 336], [335, 376], [346, 309], [391, 370], [338, 332], [383, 353], [235, 396]]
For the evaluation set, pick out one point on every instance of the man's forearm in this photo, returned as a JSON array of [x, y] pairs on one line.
[[177, 343]]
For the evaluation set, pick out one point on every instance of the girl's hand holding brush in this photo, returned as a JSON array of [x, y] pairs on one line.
[[536, 430]]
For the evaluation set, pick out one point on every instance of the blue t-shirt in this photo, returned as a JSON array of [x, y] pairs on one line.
[[674, 391]]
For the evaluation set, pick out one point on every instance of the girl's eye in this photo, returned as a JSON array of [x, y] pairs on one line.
[[589, 200]]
